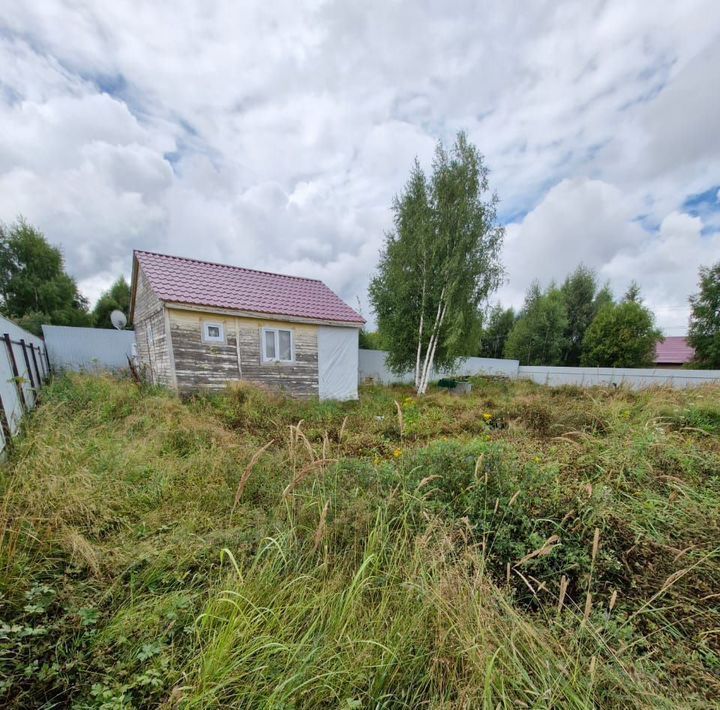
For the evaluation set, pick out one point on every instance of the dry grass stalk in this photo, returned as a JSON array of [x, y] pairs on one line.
[[320, 532], [326, 445], [427, 480], [548, 546], [401, 420], [596, 544], [303, 473], [497, 505], [527, 583], [564, 582], [248, 470], [342, 429], [613, 600], [299, 434], [507, 573], [81, 550], [514, 498], [478, 463], [588, 606]]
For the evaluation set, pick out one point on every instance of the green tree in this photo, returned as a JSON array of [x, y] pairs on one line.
[[34, 288], [116, 298], [538, 336], [622, 334], [583, 301], [370, 340], [704, 332], [500, 322], [439, 263]]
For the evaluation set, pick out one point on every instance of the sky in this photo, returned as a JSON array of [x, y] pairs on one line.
[[274, 134]]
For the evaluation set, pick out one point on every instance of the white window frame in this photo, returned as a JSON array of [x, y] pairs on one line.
[[207, 338], [276, 332]]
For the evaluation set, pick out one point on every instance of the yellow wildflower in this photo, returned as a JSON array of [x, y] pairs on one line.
[[397, 453], [487, 416]]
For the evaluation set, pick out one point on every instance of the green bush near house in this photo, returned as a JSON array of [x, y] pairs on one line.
[[517, 547]]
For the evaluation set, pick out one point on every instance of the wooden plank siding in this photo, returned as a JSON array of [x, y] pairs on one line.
[[200, 365], [151, 334]]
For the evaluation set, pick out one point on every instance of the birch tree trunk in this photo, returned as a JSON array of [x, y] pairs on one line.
[[430, 354], [420, 330], [432, 344]]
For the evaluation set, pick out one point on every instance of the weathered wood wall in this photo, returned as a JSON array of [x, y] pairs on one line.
[[151, 334], [210, 366]]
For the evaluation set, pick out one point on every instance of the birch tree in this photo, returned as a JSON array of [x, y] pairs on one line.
[[439, 263]]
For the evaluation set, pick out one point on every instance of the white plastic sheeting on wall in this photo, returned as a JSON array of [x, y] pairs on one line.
[[337, 362]]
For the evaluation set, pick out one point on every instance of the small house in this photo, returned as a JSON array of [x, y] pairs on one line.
[[674, 351], [200, 325]]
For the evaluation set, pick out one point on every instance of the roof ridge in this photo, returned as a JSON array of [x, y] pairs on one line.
[[227, 266]]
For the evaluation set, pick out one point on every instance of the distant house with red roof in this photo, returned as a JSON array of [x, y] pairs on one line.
[[200, 325], [673, 351]]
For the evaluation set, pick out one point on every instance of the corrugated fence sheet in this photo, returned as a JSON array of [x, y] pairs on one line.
[[635, 378], [88, 349], [23, 370], [372, 368]]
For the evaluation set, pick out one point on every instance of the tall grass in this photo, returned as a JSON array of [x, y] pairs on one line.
[[520, 547]]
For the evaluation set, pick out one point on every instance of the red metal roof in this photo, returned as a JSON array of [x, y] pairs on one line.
[[202, 283], [674, 350]]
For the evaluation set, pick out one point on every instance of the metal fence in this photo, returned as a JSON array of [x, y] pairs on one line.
[[88, 349], [24, 368], [372, 368]]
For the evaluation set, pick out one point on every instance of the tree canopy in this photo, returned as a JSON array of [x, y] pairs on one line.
[[34, 288], [538, 336], [583, 300], [704, 331], [116, 298], [439, 263], [496, 329], [622, 335]]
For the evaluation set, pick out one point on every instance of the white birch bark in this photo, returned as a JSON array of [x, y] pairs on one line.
[[420, 333], [430, 355], [430, 352]]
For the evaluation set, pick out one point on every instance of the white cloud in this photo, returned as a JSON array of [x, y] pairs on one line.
[[592, 222], [274, 135]]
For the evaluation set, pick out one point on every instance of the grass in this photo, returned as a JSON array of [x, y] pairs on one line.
[[519, 547]]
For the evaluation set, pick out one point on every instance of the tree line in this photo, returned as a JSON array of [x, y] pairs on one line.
[[35, 289], [441, 262], [576, 323]]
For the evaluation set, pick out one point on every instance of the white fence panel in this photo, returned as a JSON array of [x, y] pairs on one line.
[[636, 378], [90, 349], [372, 367], [23, 370]]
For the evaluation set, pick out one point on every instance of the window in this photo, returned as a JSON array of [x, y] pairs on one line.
[[277, 345], [213, 333]]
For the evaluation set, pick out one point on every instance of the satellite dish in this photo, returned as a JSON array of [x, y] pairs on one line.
[[118, 319]]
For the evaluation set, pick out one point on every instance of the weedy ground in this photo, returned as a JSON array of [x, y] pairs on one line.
[[518, 547]]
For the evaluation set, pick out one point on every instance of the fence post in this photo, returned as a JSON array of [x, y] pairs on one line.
[[23, 344], [37, 369], [47, 360], [16, 373], [5, 427]]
